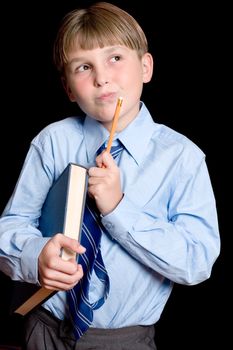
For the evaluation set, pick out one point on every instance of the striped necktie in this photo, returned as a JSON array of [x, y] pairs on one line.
[[80, 308]]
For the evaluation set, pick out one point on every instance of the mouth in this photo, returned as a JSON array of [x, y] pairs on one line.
[[107, 97]]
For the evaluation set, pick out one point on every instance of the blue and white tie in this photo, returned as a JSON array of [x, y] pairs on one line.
[[81, 309]]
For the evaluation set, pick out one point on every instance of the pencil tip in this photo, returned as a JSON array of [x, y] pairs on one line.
[[120, 100]]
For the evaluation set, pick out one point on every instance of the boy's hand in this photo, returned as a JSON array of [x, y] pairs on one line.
[[104, 183], [54, 272]]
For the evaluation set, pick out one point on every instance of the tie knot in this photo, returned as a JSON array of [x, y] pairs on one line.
[[116, 149]]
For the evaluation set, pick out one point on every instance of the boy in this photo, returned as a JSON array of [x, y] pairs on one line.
[[155, 201]]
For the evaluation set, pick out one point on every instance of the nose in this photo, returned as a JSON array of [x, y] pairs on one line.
[[101, 77], [101, 83]]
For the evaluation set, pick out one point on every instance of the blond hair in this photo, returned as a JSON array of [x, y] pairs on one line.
[[101, 24]]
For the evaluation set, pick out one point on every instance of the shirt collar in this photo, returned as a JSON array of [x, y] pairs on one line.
[[95, 135], [135, 137]]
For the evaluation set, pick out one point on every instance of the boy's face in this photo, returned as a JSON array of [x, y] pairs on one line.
[[96, 78]]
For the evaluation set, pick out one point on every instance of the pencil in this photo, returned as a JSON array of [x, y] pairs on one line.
[[114, 123]]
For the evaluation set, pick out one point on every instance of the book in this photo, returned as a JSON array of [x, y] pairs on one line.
[[62, 212]]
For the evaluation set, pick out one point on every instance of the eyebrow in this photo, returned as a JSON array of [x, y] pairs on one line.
[[109, 50]]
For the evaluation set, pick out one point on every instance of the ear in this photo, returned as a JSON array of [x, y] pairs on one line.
[[147, 67], [67, 89]]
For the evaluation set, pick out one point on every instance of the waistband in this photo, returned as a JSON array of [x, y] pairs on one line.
[[65, 328]]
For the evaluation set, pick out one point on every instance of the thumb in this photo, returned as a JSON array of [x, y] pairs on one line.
[[69, 243], [107, 160]]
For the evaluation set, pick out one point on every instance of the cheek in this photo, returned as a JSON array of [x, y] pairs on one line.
[[133, 83], [79, 86], [80, 92], [133, 75]]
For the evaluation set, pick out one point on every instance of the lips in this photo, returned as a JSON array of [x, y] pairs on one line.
[[108, 96]]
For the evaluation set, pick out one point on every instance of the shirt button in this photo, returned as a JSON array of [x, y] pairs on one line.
[[109, 225]]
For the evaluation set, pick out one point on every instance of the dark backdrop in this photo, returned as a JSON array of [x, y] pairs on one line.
[[186, 93]]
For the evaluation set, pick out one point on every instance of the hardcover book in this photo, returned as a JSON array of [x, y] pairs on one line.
[[62, 212]]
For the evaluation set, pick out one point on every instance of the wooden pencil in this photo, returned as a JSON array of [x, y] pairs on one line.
[[114, 123]]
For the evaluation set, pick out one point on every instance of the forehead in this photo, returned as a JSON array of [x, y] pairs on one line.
[[90, 39]]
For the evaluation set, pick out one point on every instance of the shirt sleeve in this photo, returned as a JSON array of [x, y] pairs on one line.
[[177, 235], [20, 240]]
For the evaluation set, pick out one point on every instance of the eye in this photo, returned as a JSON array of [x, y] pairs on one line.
[[115, 58], [82, 68]]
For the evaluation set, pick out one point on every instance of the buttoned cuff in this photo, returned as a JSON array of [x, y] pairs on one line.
[[122, 219], [29, 259]]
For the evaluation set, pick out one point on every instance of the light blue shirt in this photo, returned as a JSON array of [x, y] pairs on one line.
[[164, 230]]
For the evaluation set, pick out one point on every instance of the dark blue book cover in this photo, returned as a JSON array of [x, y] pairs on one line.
[[62, 212]]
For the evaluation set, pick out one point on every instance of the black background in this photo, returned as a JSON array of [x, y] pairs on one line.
[[187, 93]]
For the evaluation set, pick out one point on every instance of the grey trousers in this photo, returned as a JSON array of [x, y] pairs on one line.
[[45, 332]]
